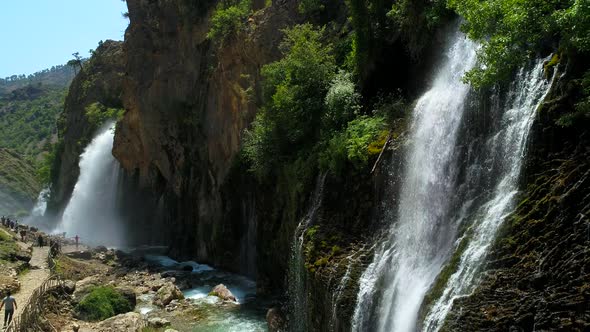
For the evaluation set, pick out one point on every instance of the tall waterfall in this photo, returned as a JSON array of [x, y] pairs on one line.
[[92, 212], [447, 183]]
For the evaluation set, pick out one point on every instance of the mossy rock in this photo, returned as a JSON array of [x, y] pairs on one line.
[[101, 303]]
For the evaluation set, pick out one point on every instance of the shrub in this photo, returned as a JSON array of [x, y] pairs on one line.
[[97, 114], [101, 303], [342, 101], [228, 19], [295, 88], [363, 137]]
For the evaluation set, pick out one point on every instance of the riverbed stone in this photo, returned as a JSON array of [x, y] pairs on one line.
[[166, 294], [129, 322], [275, 320], [223, 293], [158, 322]]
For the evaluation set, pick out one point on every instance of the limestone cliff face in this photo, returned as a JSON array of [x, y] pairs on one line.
[[188, 102], [100, 80]]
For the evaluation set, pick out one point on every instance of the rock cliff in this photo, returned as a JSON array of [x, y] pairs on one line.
[[100, 81]]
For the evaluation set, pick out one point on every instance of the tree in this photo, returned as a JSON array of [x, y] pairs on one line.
[[76, 61]]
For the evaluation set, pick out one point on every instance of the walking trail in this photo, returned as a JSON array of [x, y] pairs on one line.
[[32, 279]]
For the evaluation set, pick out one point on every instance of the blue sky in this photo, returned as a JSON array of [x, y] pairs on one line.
[[38, 34]]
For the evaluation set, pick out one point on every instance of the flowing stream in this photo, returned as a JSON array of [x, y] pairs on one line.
[[457, 172], [91, 212]]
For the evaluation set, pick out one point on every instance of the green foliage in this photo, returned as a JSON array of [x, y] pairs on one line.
[[97, 114], [27, 118], [228, 19], [101, 303], [512, 31], [342, 101], [354, 143], [310, 6], [18, 185], [415, 19], [295, 89], [582, 108], [8, 247]]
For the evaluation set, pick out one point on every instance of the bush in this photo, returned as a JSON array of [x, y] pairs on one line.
[[295, 89], [228, 19], [101, 303], [362, 138], [97, 114], [342, 101]]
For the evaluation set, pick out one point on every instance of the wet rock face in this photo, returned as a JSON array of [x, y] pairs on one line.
[[187, 107], [538, 271]]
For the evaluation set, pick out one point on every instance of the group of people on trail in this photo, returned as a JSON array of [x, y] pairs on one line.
[[9, 304], [7, 222]]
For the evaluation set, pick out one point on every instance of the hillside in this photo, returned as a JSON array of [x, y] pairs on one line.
[[18, 185]]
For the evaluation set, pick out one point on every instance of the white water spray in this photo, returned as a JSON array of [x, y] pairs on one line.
[[435, 199], [508, 146], [92, 212]]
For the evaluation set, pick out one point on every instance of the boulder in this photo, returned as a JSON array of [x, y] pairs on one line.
[[166, 294], [69, 286], [101, 249], [170, 330], [83, 287], [275, 320], [129, 322], [223, 293], [80, 254], [129, 294], [158, 322]]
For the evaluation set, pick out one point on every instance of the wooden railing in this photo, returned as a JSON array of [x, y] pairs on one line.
[[31, 315]]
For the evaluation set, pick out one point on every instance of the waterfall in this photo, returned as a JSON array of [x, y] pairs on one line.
[[298, 308], [448, 184], [41, 204], [91, 212], [506, 151]]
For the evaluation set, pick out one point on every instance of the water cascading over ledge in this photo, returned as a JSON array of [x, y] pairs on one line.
[[457, 173], [92, 211]]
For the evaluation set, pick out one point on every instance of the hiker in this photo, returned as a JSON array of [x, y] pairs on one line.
[[77, 240], [10, 303], [40, 241], [23, 235]]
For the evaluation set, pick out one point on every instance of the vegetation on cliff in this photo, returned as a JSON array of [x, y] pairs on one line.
[[513, 31]]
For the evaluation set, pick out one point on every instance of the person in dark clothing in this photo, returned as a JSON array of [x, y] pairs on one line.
[[40, 241]]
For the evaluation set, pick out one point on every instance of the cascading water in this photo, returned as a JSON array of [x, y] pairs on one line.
[[506, 150], [92, 212], [297, 288], [419, 242], [444, 188], [41, 204]]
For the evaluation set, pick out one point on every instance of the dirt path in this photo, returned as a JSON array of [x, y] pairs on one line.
[[33, 278]]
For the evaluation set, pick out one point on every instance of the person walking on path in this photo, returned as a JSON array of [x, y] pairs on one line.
[[40, 241], [77, 240], [9, 304]]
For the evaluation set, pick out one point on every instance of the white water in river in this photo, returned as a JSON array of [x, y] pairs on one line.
[[91, 212], [441, 190]]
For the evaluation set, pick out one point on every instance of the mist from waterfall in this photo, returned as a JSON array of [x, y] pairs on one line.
[[460, 179], [92, 210]]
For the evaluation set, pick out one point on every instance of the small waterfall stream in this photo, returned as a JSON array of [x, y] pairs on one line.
[[91, 212], [298, 307], [444, 189]]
